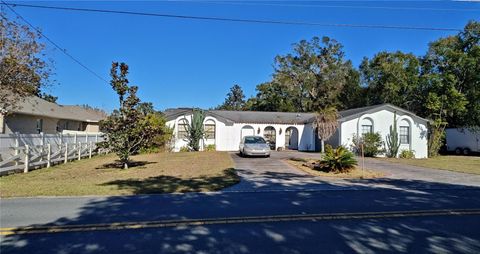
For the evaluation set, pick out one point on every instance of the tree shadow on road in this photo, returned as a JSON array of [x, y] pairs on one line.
[[400, 235]]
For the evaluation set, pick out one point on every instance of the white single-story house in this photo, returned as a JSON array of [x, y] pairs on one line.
[[296, 131], [34, 115]]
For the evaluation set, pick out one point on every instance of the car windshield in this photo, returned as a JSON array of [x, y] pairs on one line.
[[254, 140]]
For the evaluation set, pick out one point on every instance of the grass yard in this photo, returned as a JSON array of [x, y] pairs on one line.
[[154, 173], [354, 173], [465, 164]]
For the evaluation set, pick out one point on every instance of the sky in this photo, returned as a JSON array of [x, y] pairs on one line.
[[193, 63]]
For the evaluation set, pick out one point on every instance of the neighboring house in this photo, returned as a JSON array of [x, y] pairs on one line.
[[35, 115], [296, 131]]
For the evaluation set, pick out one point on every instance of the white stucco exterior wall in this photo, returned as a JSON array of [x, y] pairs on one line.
[[382, 120], [228, 136]]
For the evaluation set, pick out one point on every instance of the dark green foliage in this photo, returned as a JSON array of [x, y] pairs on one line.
[[338, 160], [372, 144], [195, 131], [235, 99], [391, 78], [392, 139], [127, 130], [49, 97]]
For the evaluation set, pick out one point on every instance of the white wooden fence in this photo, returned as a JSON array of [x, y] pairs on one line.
[[26, 151]]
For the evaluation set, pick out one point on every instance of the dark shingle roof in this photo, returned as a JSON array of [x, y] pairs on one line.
[[264, 117], [281, 117]]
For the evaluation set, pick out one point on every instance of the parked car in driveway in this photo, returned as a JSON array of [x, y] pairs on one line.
[[254, 146]]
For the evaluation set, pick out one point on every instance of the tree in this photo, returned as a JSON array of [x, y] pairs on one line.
[[353, 95], [49, 97], [326, 123], [195, 131], [146, 108], [452, 74], [315, 73], [391, 78], [23, 68], [235, 99], [272, 96], [392, 140], [127, 129]]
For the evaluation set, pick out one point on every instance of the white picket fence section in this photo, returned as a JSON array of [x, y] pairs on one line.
[[26, 151]]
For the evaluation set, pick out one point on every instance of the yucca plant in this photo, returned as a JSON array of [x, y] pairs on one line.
[[338, 160], [195, 131]]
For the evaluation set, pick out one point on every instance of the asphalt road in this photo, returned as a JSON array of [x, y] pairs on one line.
[[400, 220]]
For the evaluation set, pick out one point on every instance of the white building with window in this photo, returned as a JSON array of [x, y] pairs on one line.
[[295, 131]]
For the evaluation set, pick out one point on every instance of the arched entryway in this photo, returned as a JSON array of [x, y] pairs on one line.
[[270, 136], [291, 138], [247, 130]]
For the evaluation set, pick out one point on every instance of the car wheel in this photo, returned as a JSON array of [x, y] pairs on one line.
[[466, 151], [458, 151]]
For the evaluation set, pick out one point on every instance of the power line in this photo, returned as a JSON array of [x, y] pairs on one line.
[[255, 21], [64, 51], [321, 5]]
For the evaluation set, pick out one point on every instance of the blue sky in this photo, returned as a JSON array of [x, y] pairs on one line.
[[181, 63]]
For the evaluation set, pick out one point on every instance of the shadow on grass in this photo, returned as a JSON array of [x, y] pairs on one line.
[[168, 184], [119, 165]]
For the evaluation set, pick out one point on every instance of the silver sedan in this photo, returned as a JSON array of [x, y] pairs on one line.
[[254, 146]]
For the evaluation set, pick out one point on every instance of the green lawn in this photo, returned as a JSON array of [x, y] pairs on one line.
[[153, 173], [465, 164]]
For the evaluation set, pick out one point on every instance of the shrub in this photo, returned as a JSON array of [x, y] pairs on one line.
[[337, 160], [210, 147], [372, 144], [184, 149], [407, 154]]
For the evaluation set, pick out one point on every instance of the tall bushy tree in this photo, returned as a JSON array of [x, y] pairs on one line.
[[391, 78], [272, 96], [392, 139], [195, 131], [235, 99], [326, 123], [127, 129], [23, 68], [315, 73]]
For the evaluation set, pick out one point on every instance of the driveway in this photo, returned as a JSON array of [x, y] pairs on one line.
[[270, 174]]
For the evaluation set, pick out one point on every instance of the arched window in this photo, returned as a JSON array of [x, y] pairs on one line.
[[209, 129], [404, 132], [366, 126], [182, 129]]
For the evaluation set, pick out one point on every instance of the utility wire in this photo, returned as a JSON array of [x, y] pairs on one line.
[[64, 51], [256, 21], [321, 5]]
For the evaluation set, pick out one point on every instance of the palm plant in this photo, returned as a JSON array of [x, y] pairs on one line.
[[338, 160], [195, 131], [326, 122]]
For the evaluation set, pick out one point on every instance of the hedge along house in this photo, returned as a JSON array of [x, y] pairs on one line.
[[35, 115], [296, 131]]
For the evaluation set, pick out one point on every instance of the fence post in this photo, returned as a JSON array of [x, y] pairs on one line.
[[96, 138], [27, 159], [17, 146], [90, 150], [66, 153], [42, 143], [79, 150], [74, 141], [49, 155]]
